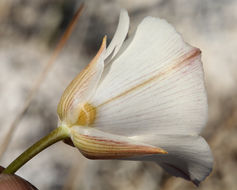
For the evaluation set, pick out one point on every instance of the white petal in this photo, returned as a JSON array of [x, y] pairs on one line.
[[120, 34], [95, 144], [188, 156], [82, 87], [155, 86]]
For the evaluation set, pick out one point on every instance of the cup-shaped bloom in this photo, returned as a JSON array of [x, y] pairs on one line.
[[142, 99]]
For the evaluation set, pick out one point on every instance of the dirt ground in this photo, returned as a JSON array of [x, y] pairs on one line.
[[29, 31]]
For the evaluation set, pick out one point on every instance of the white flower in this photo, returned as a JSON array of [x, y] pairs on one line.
[[142, 99]]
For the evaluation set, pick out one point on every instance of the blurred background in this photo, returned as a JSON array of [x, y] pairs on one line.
[[29, 31]]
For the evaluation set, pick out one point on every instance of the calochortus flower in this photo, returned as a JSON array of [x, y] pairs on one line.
[[140, 99], [144, 100]]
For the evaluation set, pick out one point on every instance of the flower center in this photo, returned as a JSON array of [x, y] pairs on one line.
[[87, 115]]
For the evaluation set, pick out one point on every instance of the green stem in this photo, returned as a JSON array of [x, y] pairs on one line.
[[56, 135]]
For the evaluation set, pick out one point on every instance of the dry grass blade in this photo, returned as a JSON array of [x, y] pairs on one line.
[[39, 81]]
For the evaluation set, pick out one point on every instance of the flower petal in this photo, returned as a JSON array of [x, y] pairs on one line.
[[120, 34], [188, 156], [155, 86], [95, 144], [82, 87]]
